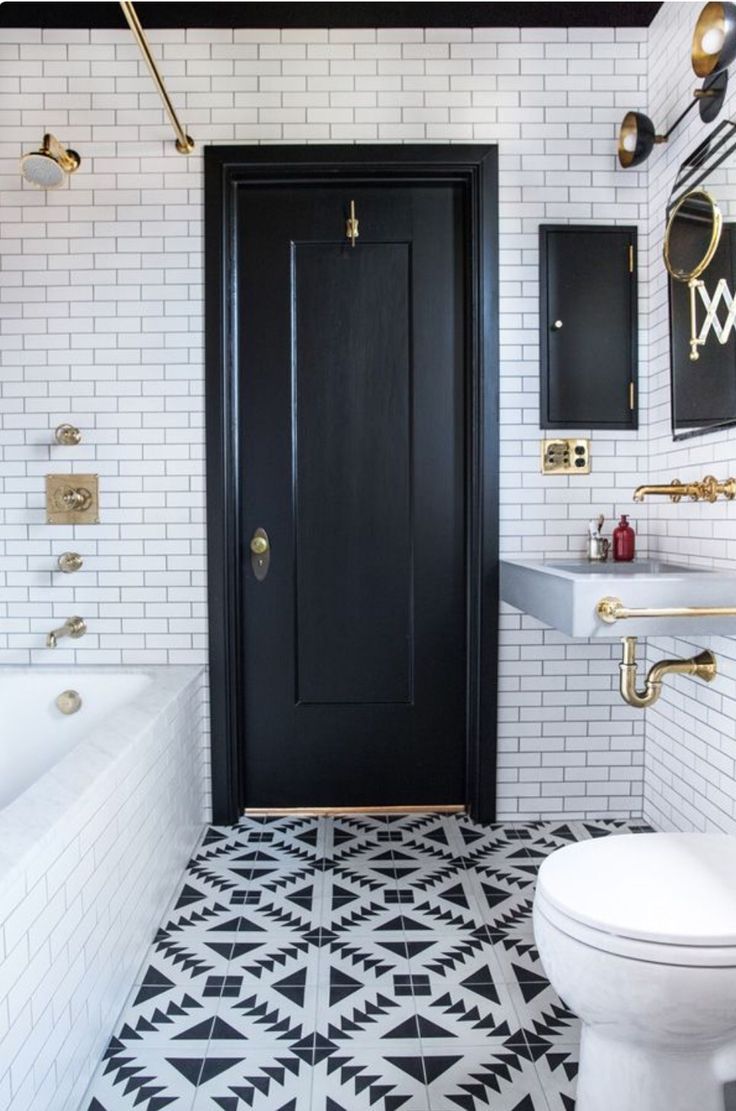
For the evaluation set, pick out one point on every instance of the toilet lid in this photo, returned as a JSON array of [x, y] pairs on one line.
[[673, 888]]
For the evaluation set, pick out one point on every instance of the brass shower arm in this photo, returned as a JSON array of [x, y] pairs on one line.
[[184, 144]]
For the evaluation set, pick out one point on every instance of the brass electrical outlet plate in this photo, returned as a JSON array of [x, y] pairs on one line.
[[63, 490], [565, 457]]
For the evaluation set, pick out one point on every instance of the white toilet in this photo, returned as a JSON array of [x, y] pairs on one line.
[[637, 934]]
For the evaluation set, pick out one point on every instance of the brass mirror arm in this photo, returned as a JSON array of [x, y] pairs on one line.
[[611, 610], [703, 666]]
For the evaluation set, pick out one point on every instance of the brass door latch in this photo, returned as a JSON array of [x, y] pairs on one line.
[[351, 225]]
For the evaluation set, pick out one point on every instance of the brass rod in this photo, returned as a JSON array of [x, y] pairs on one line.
[[611, 610], [184, 144], [326, 811]]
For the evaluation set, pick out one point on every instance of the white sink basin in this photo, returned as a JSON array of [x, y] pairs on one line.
[[563, 593]]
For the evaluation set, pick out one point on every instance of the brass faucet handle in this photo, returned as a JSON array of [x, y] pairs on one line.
[[728, 489], [675, 497], [67, 435], [69, 562]]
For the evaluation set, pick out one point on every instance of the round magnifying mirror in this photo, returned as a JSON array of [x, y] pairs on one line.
[[692, 235]]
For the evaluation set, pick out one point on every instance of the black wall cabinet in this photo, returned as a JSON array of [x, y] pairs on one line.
[[588, 323]]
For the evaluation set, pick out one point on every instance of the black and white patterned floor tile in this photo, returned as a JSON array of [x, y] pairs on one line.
[[350, 964]]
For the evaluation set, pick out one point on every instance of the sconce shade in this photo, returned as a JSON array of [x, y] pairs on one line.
[[636, 138], [714, 39]]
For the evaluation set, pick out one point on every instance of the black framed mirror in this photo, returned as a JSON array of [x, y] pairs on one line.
[[700, 256]]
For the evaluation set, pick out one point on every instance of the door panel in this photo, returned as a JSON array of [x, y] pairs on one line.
[[351, 388], [588, 326], [351, 372]]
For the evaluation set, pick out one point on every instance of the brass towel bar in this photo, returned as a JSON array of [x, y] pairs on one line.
[[611, 610]]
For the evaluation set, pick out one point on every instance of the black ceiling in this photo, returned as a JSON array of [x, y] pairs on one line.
[[213, 14]]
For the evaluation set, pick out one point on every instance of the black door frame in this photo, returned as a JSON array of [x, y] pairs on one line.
[[475, 169]]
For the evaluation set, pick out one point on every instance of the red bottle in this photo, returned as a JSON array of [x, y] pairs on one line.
[[624, 540]]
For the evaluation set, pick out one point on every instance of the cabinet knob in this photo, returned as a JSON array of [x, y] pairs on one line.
[[557, 325]]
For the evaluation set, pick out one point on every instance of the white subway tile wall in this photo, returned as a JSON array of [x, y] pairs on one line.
[[102, 324], [690, 779]]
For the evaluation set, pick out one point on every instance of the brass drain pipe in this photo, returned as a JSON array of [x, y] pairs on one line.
[[702, 666]]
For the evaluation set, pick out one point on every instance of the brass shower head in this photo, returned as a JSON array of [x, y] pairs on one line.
[[47, 168]]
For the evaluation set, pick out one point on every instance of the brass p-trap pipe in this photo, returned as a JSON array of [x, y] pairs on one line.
[[703, 666]]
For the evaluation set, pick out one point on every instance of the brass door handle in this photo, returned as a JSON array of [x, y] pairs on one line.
[[259, 544], [260, 554]]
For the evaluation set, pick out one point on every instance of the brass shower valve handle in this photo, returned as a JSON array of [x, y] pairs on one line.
[[708, 489], [72, 497]]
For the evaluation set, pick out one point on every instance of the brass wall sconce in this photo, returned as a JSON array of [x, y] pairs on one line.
[[67, 435], [49, 166], [708, 489], [703, 666], [712, 51], [637, 135], [714, 39], [184, 143], [72, 499]]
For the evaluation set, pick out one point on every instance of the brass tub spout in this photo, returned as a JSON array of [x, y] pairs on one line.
[[702, 666], [73, 627]]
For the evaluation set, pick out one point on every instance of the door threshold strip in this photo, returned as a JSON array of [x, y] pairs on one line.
[[336, 811]]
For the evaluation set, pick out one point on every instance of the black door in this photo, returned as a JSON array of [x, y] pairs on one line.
[[352, 417], [352, 423]]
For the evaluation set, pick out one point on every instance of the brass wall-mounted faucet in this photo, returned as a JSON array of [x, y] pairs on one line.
[[709, 489], [74, 627], [702, 666]]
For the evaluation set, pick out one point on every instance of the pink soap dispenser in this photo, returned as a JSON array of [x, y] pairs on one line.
[[624, 541]]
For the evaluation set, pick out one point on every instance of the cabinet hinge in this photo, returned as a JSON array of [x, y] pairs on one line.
[[632, 396], [631, 258]]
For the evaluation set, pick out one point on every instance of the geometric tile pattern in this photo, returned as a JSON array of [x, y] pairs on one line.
[[348, 964]]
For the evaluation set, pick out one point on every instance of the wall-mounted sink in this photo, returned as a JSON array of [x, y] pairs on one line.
[[564, 593]]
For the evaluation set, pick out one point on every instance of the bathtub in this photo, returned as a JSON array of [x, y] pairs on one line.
[[100, 811]]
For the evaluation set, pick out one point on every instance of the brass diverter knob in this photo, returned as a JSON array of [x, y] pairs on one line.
[[67, 435], [259, 545]]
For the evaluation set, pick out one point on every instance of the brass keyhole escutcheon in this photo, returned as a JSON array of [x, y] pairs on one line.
[[260, 553]]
